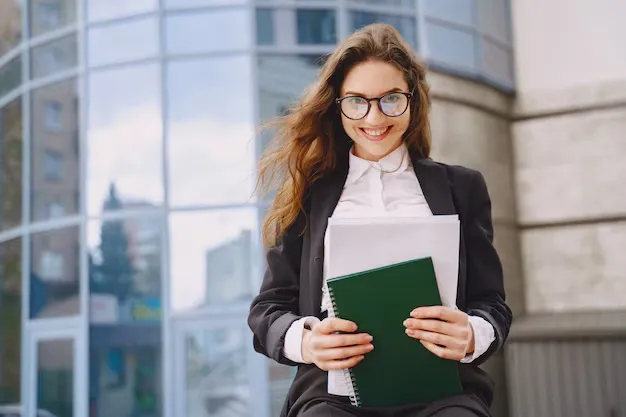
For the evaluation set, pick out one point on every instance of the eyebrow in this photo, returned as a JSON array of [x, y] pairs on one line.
[[353, 93]]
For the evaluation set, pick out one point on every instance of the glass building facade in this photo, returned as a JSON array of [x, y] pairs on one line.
[[129, 229]]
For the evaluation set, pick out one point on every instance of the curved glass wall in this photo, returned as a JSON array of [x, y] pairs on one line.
[[129, 233]]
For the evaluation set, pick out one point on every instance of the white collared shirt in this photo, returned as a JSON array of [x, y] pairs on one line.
[[387, 188]]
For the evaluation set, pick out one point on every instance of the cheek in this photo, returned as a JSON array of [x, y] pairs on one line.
[[349, 126], [403, 122]]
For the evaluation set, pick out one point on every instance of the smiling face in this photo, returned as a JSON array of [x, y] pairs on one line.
[[376, 134]]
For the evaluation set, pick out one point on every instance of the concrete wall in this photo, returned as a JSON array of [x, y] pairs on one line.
[[569, 146], [471, 127]]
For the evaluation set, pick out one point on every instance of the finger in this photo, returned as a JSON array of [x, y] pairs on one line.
[[344, 353], [340, 340], [442, 352], [436, 338], [342, 364], [437, 326], [332, 324], [439, 312]]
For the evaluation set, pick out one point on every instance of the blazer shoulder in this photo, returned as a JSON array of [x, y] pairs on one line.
[[461, 176]]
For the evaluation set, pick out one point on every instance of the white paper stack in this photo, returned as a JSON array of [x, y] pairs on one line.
[[360, 244]]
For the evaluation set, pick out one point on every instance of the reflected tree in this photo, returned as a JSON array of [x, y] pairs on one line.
[[114, 273], [11, 165]]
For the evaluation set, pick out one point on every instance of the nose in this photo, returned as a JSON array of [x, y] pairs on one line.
[[375, 116]]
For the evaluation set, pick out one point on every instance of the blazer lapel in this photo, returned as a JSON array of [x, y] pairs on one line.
[[434, 182], [325, 196]]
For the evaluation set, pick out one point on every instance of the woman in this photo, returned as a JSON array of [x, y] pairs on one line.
[[358, 143]]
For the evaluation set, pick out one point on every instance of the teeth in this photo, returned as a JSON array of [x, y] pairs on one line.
[[375, 132]]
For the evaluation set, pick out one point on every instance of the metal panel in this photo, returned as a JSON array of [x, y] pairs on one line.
[[573, 378]]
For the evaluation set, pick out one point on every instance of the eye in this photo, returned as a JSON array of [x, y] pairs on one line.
[[356, 100], [392, 98]]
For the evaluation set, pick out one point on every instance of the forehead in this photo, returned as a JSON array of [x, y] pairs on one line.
[[372, 78]]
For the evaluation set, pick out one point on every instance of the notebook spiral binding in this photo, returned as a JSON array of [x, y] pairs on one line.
[[353, 389]]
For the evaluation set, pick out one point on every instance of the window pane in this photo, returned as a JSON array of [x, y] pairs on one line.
[[403, 3], [124, 114], [48, 15], [10, 25], [451, 46], [112, 9], [404, 25], [171, 4], [55, 160], [494, 18], [214, 258], [497, 62], [125, 273], [11, 164], [54, 56], [458, 11], [10, 320], [190, 33], [316, 27], [264, 26], [216, 373], [211, 131], [11, 75], [122, 42], [55, 377], [54, 282]]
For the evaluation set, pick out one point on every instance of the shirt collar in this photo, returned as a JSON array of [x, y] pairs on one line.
[[397, 161]]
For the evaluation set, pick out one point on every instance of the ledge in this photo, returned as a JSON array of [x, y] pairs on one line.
[[569, 325]]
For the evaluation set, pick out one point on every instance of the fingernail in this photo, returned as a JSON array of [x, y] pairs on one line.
[[370, 338]]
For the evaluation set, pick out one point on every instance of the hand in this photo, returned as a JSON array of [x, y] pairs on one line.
[[328, 350], [444, 331]]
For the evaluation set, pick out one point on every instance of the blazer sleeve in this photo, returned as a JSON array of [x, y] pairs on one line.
[[276, 306], [485, 284]]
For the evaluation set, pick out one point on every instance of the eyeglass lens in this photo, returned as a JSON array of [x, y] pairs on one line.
[[393, 104]]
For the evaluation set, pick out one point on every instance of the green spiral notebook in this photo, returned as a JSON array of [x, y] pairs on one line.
[[400, 370]]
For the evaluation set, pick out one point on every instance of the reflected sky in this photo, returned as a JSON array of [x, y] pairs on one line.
[[121, 42], [211, 131], [124, 135], [459, 11], [110, 9], [193, 236]]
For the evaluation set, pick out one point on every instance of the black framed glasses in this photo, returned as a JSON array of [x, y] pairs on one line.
[[392, 104]]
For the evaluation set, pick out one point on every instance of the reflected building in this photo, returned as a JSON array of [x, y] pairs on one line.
[[130, 233]]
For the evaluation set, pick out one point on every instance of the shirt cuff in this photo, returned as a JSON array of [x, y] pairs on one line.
[[484, 335], [292, 348]]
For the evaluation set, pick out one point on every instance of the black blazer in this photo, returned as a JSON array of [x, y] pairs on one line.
[[292, 283]]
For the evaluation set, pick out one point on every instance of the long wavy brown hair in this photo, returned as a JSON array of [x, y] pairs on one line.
[[308, 137]]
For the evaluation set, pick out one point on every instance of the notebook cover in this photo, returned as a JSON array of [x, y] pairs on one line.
[[400, 370]]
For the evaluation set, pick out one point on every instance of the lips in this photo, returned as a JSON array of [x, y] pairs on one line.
[[376, 134]]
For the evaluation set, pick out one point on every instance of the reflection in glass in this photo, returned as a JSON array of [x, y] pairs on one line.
[[494, 18], [404, 25], [10, 320], [199, 3], [403, 3], [211, 131], [121, 42], [48, 15], [496, 62], [54, 279], [11, 165], [10, 75], [113, 9], [124, 264], [55, 177], [124, 138], [451, 46], [214, 257], [189, 33], [10, 24], [55, 56], [216, 373], [264, 26], [55, 377], [316, 27], [458, 11]]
